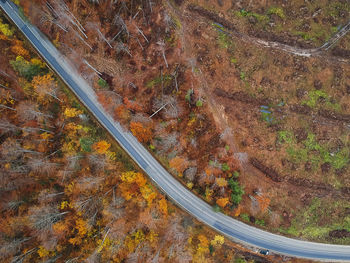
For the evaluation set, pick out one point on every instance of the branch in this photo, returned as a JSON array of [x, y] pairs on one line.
[[159, 109]]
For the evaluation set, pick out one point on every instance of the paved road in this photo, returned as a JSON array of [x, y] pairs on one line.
[[234, 229]]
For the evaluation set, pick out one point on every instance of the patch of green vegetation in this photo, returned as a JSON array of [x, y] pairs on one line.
[[245, 217], [199, 103], [225, 167], [312, 151], [235, 174], [311, 222], [188, 95], [318, 33], [233, 60], [158, 80], [102, 83], [242, 76], [297, 155], [224, 40], [86, 144], [276, 11], [262, 19], [285, 137], [27, 69], [314, 97], [240, 260], [216, 208], [260, 222], [335, 8], [237, 191], [337, 160], [152, 147]]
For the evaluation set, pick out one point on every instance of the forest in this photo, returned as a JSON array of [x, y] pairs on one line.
[[258, 133], [260, 137], [69, 193]]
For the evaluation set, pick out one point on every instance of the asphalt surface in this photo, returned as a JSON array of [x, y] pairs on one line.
[[234, 229]]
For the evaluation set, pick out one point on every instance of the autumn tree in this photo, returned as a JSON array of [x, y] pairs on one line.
[[25, 68], [101, 147], [142, 133], [27, 111], [179, 164], [46, 87]]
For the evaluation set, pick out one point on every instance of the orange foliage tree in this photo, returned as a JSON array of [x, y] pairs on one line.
[[19, 50], [101, 147], [131, 105], [222, 202], [264, 202], [142, 133], [179, 164]]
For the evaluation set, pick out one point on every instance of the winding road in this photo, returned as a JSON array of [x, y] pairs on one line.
[[228, 226]]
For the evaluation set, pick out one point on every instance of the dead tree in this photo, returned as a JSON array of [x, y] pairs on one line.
[[27, 111], [161, 44], [42, 218]]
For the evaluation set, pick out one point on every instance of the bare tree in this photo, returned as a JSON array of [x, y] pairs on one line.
[[98, 162], [121, 47], [6, 126], [161, 45], [167, 142], [42, 218], [168, 105], [89, 207], [27, 111], [118, 21], [11, 247], [11, 149]]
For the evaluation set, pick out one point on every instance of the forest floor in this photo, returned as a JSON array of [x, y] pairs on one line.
[[233, 114]]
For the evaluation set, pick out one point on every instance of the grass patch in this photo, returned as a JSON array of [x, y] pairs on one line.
[[158, 80], [276, 11], [317, 220]]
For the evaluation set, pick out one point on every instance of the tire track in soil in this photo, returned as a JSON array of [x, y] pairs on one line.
[[305, 52]]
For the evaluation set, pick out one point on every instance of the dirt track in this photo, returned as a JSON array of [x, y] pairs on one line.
[[283, 45]]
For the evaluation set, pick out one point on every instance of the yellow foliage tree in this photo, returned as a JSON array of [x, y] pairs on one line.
[[140, 180], [129, 177], [203, 246], [44, 85], [221, 182], [101, 147], [152, 237], [5, 29], [72, 112], [42, 252], [208, 194], [148, 194], [163, 206], [218, 240]]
